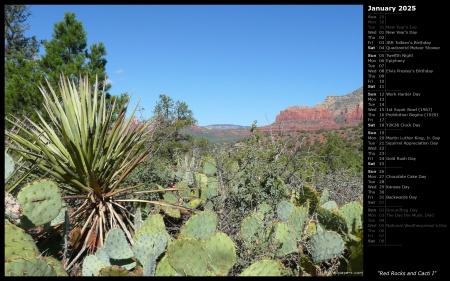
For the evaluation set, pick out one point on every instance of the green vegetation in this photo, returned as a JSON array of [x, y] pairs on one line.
[[86, 194]]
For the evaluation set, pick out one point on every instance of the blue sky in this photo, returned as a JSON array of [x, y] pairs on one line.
[[232, 64]]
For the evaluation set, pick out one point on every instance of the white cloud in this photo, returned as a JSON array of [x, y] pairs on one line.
[[119, 71], [109, 81]]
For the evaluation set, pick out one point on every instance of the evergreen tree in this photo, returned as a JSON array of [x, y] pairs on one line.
[[174, 116], [22, 75], [67, 53]]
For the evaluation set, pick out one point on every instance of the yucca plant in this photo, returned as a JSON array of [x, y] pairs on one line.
[[89, 155]]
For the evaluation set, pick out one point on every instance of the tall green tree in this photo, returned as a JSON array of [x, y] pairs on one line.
[[22, 75], [67, 53], [174, 116]]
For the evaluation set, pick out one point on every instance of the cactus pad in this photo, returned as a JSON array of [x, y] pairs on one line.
[[311, 229], [146, 245], [18, 244], [150, 266], [164, 269], [102, 255], [57, 266], [171, 212], [324, 197], [221, 253], [152, 230], [263, 208], [138, 220], [325, 246], [91, 266], [332, 220], [114, 270], [263, 268], [40, 201], [155, 220], [209, 166], [330, 205], [284, 209], [352, 213], [308, 194], [9, 165], [116, 245], [251, 229], [194, 203], [296, 222], [308, 267], [188, 257], [29, 267], [287, 241], [201, 226], [201, 180]]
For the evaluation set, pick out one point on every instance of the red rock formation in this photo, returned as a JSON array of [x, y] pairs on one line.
[[356, 115], [334, 112], [303, 113]]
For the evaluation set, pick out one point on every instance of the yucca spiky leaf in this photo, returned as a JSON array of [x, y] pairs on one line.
[[80, 146]]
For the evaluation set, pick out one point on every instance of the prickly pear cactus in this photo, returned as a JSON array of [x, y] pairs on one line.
[[29, 267], [308, 268], [284, 209], [311, 229], [283, 236], [188, 257], [114, 270], [156, 221], [201, 179], [22, 257], [150, 266], [263, 268], [209, 166], [116, 245], [138, 220], [102, 255], [307, 194], [330, 205], [57, 266], [194, 203], [324, 197], [297, 221], [164, 269], [221, 252], [201, 226], [263, 209], [61, 215], [41, 202], [187, 193], [252, 230], [153, 225], [147, 244], [325, 246], [9, 165], [352, 213], [171, 212], [332, 220], [91, 266], [170, 198], [18, 244]]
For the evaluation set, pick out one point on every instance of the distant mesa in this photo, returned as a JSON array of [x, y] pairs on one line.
[[334, 112]]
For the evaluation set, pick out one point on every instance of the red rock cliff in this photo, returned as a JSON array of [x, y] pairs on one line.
[[303, 113], [334, 112]]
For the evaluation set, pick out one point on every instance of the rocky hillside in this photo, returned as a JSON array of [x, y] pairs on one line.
[[334, 112]]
